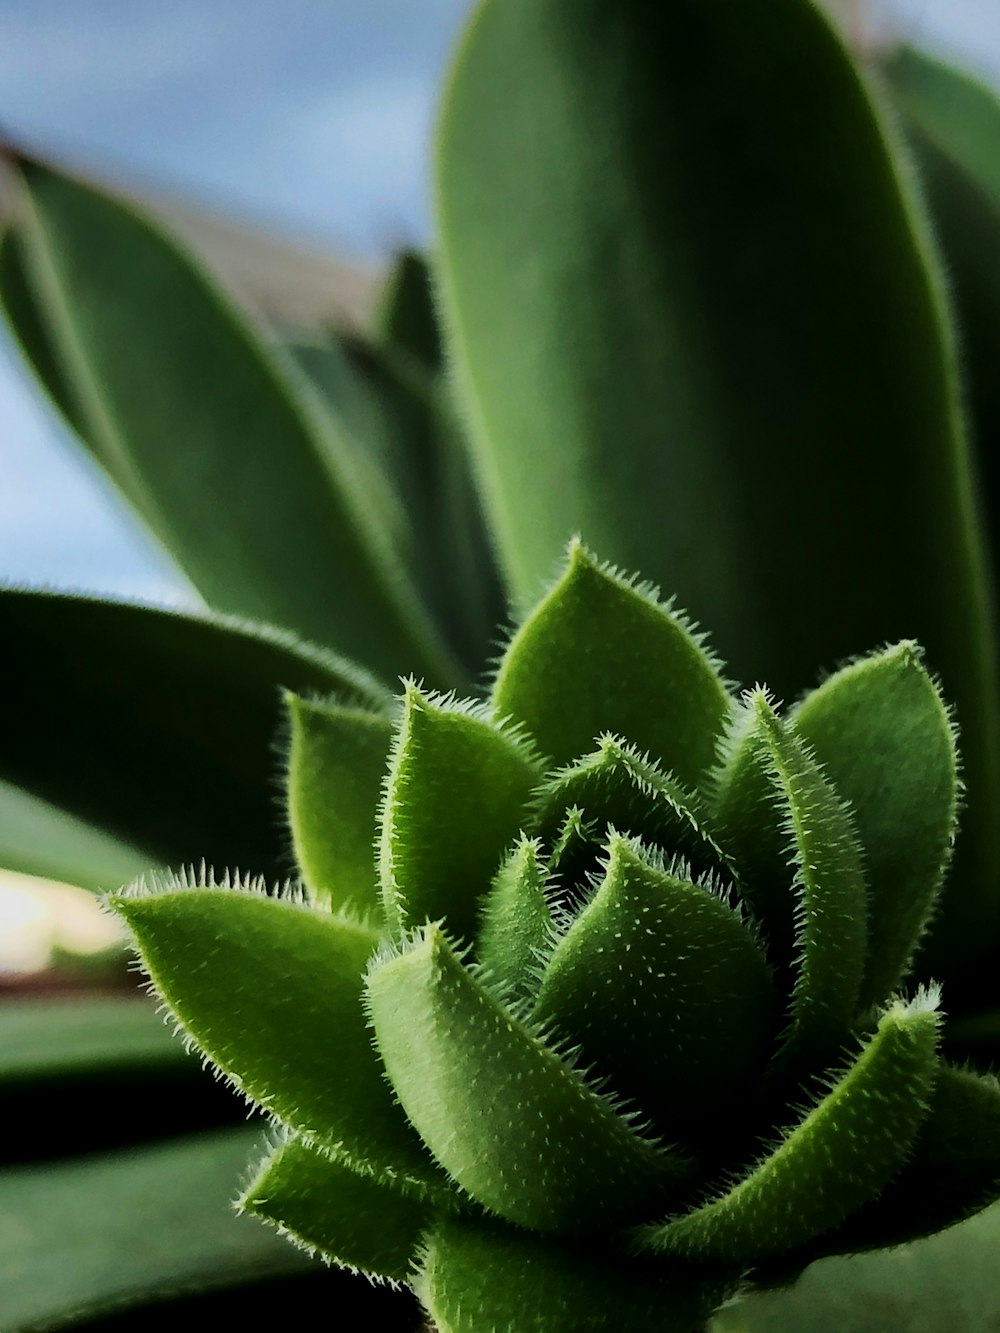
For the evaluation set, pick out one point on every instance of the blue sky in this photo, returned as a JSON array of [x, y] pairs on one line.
[[309, 116]]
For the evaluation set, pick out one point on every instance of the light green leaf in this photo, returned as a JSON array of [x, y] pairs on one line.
[[840, 1155], [939, 1285], [687, 322], [83, 1238], [882, 735], [53, 1038], [483, 1276], [615, 786], [508, 1119], [517, 926], [38, 839], [156, 728], [356, 1220], [454, 803], [234, 466], [336, 765], [272, 993], [599, 654], [810, 899], [666, 992]]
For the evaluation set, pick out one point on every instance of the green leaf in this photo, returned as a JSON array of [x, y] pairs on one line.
[[336, 764], [399, 420], [271, 992], [27, 322], [483, 1276], [599, 654], [617, 787], [242, 476], [51, 1039], [153, 727], [454, 803], [665, 990], [38, 839], [839, 1156], [83, 1238], [952, 1173], [512, 1123], [517, 926], [882, 735], [939, 1285], [324, 1204], [809, 898], [702, 408], [406, 319]]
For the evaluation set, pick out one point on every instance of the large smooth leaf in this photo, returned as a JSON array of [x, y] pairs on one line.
[[228, 457], [82, 1238], [39, 839], [52, 1039], [697, 319], [154, 727], [939, 1285]]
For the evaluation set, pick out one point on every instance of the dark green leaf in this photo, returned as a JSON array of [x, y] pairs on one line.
[[96, 1234], [600, 654], [697, 318], [665, 990], [840, 1155], [336, 766], [507, 1118], [272, 993], [244, 478], [156, 728], [407, 319]]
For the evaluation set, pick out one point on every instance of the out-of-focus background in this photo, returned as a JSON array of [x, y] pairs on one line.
[[288, 140], [308, 120]]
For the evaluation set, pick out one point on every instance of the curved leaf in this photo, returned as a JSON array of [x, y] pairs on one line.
[[354, 1220], [336, 767], [694, 326], [844, 1151], [517, 926], [154, 727], [243, 477], [272, 993], [508, 1119]]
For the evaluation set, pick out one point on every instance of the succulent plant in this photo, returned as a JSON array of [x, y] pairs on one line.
[[610, 1028]]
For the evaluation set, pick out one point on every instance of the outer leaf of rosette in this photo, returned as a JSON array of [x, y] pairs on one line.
[[271, 992], [800, 870], [883, 735], [511, 1122], [322, 1202], [483, 1275], [336, 765], [665, 990], [601, 654], [454, 803], [517, 928], [952, 1173], [833, 1162], [615, 786]]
